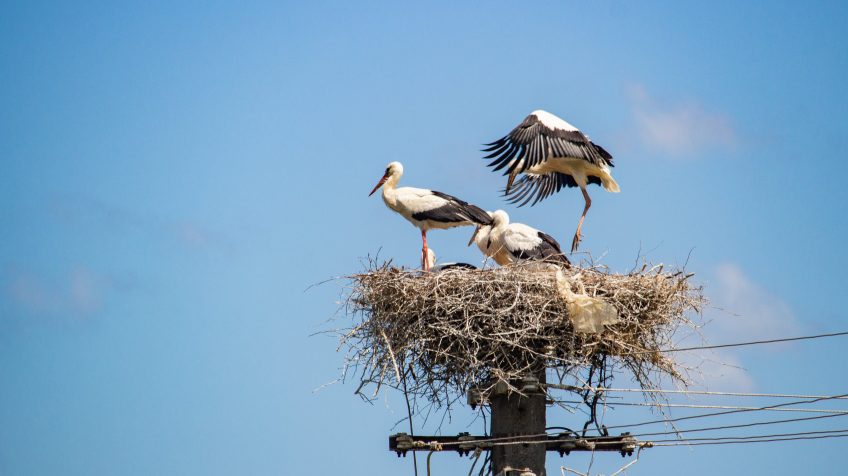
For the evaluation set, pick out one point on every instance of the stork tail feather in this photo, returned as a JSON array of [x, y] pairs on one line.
[[610, 185]]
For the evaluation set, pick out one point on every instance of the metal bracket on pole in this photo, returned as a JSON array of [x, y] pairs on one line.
[[469, 445], [624, 444]]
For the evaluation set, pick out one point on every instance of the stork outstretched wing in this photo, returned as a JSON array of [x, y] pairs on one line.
[[542, 135]]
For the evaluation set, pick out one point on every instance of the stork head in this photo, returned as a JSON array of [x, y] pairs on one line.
[[477, 230], [393, 171], [500, 218]]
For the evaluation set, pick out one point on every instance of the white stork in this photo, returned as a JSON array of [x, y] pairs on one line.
[[551, 154], [513, 243], [481, 238], [427, 209]]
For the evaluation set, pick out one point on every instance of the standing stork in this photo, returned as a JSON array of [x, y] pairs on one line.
[[427, 209], [551, 154], [517, 242]]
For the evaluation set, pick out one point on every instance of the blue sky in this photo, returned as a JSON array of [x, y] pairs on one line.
[[173, 177]]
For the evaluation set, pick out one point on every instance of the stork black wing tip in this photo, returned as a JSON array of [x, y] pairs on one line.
[[489, 144], [512, 199], [493, 145], [604, 154]]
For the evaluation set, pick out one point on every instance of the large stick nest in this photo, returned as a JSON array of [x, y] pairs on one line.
[[438, 335]]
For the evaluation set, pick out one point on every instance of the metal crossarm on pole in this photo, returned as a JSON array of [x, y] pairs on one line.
[[563, 443]]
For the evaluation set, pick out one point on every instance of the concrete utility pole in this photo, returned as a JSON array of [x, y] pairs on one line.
[[519, 415]]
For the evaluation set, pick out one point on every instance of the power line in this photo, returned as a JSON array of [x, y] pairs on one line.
[[753, 441], [689, 392], [725, 438], [728, 412], [740, 425], [728, 427], [753, 437], [615, 441], [740, 344], [718, 407], [531, 439]]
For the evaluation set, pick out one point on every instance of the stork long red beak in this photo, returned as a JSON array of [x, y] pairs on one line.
[[379, 184], [476, 230]]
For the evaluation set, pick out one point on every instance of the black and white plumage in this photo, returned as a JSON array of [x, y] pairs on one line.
[[427, 209], [484, 244], [551, 154], [518, 243], [433, 267]]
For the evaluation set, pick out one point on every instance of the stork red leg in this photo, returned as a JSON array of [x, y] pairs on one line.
[[577, 236], [425, 263]]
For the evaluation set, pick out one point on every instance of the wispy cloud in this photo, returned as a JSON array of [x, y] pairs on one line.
[[748, 311], [31, 293], [77, 293], [187, 233], [678, 129], [85, 291], [741, 310]]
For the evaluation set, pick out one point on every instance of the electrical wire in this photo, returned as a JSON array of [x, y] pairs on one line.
[[752, 437], [701, 441], [809, 435], [728, 412], [723, 427], [535, 439], [740, 425], [717, 407], [740, 344], [728, 427], [753, 441], [688, 392], [812, 399]]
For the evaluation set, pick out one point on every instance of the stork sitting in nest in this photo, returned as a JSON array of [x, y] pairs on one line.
[[512, 243]]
